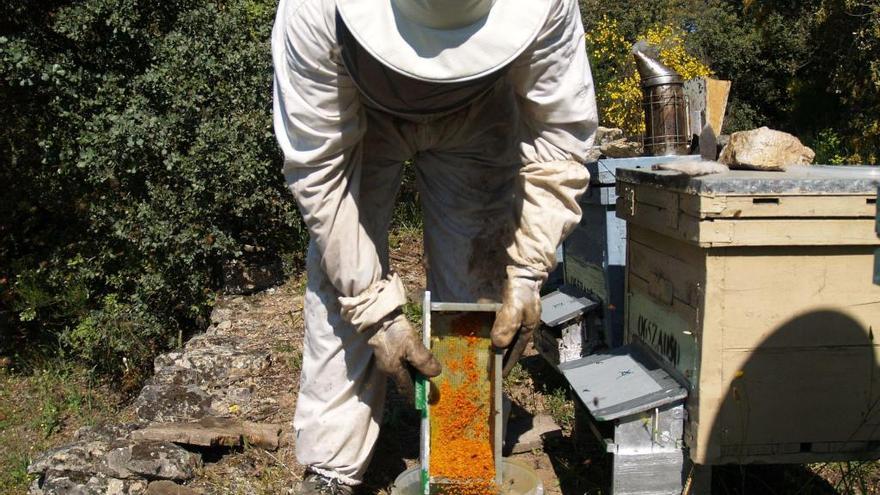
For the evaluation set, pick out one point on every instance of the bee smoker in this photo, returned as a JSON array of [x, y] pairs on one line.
[[666, 126]]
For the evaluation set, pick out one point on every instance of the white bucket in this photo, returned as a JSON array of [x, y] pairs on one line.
[[519, 479]]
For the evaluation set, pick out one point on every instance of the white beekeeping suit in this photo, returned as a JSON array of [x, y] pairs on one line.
[[494, 103]]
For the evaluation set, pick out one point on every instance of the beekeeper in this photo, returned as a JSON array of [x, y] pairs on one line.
[[493, 101]]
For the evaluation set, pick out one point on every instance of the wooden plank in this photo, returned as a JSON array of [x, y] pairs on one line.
[[669, 246], [703, 205], [663, 330], [785, 206], [757, 231], [636, 284], [825, 291], [787, 232], [673, 224], [705, 403], [717, 92], [669, 277], [798, 396]]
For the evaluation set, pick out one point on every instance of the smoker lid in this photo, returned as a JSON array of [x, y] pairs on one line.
[[651, 70], [621, 382], [805, 180]]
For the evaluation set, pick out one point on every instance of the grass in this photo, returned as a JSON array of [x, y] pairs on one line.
[[291, 355], [413, 313], [862, 477], [40, 409], [560, 407], [517, 376], [267, 473]]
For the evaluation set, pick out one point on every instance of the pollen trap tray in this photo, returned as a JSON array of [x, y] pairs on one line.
[[461, 432]]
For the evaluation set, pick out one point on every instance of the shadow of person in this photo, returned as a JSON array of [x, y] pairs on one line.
[[398, 445], [810, 392]]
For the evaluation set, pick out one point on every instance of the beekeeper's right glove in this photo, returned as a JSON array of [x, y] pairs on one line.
[[399, 351]]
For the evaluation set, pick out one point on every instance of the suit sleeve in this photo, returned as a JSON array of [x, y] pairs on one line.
[[558, 123], [319, 124]]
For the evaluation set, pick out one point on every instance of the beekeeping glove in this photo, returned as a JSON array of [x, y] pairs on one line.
[[519, 315], [399, 351]]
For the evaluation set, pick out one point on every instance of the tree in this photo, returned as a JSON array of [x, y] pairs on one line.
[[138, 157]]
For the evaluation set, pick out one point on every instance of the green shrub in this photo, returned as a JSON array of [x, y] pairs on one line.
[[137, 156]]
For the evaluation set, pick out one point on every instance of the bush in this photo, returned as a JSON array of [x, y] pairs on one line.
[[138, 157], [618, 86]]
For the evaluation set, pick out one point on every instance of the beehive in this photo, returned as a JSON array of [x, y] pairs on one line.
[[755, 288], [595, 252]]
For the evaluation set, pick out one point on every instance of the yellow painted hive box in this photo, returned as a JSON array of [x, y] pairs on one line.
[[756, 289]]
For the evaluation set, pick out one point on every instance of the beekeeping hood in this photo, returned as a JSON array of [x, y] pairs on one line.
[[444, 40]]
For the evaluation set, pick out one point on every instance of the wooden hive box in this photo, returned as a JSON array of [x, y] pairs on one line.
[[756, 289]]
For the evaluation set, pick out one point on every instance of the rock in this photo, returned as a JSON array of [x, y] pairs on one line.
[[526, 433], [220, 314], [79, 457], [165, 487], [593, 154], [55, 483], [621, 148], [249, 276], [606, 135], [151, 460], [166, 403], [213, 360], [210, 432], [102, 460], [765, 149], [104, 432]]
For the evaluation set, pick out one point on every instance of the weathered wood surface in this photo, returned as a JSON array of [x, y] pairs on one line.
[[777, 294]]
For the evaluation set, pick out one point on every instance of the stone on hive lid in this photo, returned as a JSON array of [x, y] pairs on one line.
[[765, 149]]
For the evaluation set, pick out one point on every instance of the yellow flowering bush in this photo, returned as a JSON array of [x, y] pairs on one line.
[[618, 90]]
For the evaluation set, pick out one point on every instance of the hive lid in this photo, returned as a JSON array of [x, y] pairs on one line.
[[603, 172], [621, 382], [804, 180], [564, 304]]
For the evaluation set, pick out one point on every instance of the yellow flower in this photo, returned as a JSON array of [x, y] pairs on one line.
[[618, 88]]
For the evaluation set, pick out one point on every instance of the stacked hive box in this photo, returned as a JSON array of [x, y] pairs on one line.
[[755, 289]]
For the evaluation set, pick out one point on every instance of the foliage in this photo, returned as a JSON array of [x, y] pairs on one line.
[[139, 143], [42, 408], [828, 146], [618, 87], [837, 82], [802, 67]]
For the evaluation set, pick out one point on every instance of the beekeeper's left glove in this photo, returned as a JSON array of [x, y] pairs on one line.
[[519, 315]]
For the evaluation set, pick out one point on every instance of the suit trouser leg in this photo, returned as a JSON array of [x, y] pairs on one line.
[[342, 392]]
